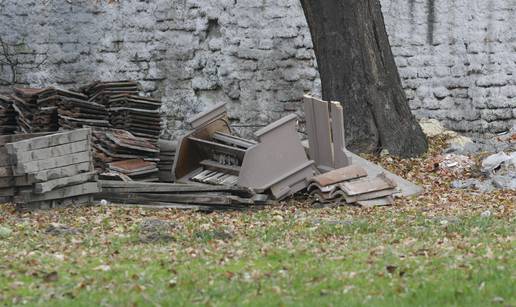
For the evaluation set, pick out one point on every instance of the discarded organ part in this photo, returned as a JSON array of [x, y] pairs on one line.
[[325, 128], [278, 162], [101, 92], [208, 154], [50, 170]]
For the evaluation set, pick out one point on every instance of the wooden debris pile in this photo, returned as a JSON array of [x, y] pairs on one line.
[[7, 115], [102, 91], [351, 185], [122, 156], [167, 154], [52, 170], [180, 196]]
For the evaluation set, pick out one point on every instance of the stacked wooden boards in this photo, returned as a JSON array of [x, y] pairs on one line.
[[52, 170], [7, 115], [180, 196], [102, 91]]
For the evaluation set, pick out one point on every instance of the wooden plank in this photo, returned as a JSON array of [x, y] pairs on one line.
[[208, 199], [384, 201], [52, 174], [141, 187], [44, 187], [41, 165], [323, 134], [65, 192], [6, 171], [51, 152], [339, 175], [7, 191], [6, 182], [48, 141], [56, 203], [310, 127], [340, 159]]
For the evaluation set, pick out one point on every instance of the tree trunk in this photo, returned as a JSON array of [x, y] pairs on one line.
[[357, 68]]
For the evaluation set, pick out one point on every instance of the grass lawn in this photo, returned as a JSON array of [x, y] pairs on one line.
[[445, 247]]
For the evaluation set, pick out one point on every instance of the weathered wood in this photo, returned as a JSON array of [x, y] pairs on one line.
[[41, 165], [7, 191], [44, 187], [56, 203], [6, 171], [48, 141], [141, 187], [51, 152], [65, 192], [178, 198], [56, 173], [357, 68], [340, 159], [6, 182]]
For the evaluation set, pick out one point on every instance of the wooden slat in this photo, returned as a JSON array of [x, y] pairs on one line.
[[52, 163], [48, 141], [51, 152], [340, 159], [56, 173], [381, 182], [44, 187], [310, 127], [65, 192]]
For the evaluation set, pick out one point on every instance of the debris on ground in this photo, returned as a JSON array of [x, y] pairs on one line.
[[110, 131]]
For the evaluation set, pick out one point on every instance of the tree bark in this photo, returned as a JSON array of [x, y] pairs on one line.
[[357, 68]]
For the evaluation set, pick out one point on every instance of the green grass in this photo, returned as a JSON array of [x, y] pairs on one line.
[[292, 256]]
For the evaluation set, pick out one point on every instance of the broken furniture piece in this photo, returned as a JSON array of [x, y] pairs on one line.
[[52, 170], [325, 129], [278, 162], [211, 155]]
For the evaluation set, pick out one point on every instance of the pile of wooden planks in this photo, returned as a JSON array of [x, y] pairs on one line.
[[51, 170], [32, 116], [7, 115], [167, 154], [352, 185], [122, 156], [180, 196]]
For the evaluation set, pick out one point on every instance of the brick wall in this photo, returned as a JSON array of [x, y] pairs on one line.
[[457, 58]]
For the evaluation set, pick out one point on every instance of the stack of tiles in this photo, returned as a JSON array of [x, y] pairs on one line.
[[31, 117], [53, 170], [121, 155], [7, 115], [136, 114], [352, 185], [74, 109], [101, 92], [167, 154]]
